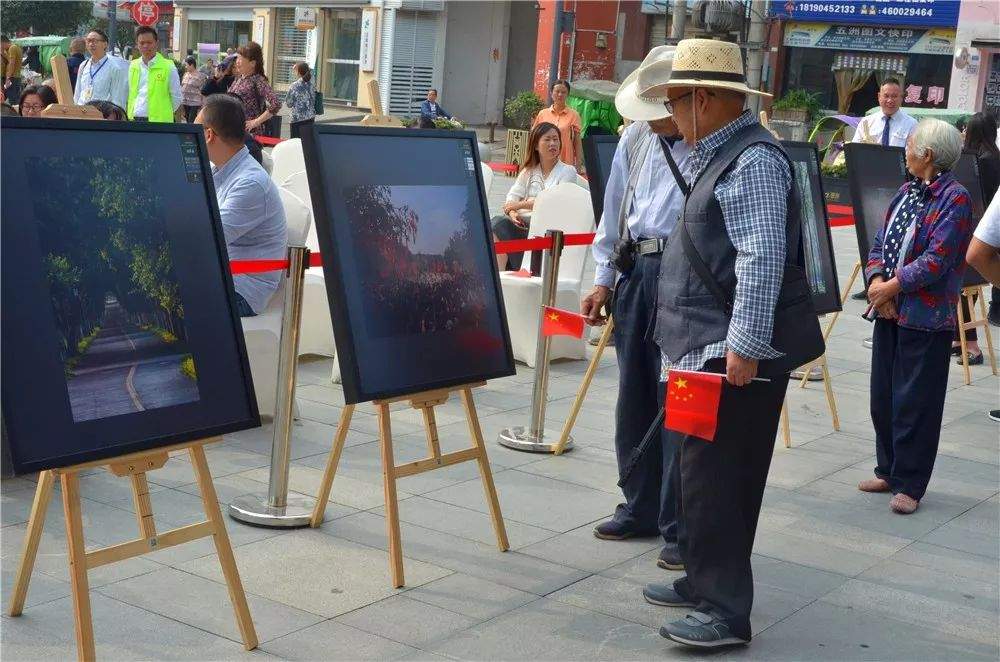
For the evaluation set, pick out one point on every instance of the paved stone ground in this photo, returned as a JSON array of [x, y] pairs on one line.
[[838, 576]]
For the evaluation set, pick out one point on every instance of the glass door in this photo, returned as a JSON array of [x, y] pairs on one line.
[[343, 52]]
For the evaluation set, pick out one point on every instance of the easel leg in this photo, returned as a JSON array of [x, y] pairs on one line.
[[331, 465], [391, 503], [36, 522], [834, 317], [78, 566], [830, 400], [984, 315], [961, 339], [484, 470], [223, 547], [786, 431], [143, 507], [588, 377]]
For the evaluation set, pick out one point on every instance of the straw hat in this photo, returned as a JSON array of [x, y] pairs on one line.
[[654, 70], [706, 63]]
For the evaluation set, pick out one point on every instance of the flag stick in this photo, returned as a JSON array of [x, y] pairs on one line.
[[699, 372]]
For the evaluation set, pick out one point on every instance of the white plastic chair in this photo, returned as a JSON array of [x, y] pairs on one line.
[[288, 159], [298, 184], [266, 161], [263, 332], [487, 178], [564, 207]]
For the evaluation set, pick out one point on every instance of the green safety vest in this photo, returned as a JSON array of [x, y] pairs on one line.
[[159, 105]]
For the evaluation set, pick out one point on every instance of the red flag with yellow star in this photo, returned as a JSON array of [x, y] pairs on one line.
[[692, 405], [557, 322]]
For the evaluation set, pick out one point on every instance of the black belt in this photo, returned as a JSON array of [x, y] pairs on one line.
[[649, 246]]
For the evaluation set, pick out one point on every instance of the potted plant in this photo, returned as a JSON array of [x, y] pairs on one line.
[[835, 187], [521, 111], [795, 106]]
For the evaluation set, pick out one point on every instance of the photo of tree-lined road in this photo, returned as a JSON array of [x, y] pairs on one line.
[[114, 294]]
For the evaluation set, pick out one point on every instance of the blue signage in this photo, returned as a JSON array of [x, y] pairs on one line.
[[923, 13]]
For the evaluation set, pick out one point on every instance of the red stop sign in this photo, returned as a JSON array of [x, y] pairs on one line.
[[145, 12]]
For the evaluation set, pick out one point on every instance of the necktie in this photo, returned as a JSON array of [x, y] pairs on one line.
[[885, 131]]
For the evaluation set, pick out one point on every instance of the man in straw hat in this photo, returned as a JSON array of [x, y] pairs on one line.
[[735, 219], [641, 207]]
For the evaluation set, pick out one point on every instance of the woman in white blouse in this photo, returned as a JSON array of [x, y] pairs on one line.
[[540, 170]]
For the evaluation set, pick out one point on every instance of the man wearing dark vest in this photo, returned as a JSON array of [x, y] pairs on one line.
[[736, 216], [642, 204]]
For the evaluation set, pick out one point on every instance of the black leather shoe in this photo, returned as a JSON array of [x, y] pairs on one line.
[[615, 530], [860, 296], [670, 558]]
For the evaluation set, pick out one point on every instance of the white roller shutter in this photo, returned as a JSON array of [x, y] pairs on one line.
[[414, 44], [658, 30], [291, 46]]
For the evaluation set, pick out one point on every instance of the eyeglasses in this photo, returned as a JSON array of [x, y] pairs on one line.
[[669, 103], [32, 108]]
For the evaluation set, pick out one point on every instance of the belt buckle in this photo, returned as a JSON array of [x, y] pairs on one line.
[[648, 246]]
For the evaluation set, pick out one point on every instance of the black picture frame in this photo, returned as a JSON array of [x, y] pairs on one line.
[[966, 171], [598, 153], [89, 438], [815, 230], [875, 174], [337, 278]]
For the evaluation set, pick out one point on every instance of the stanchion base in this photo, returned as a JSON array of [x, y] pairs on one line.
[[815, 374], [254, 510], [867, 342], [520, 439]]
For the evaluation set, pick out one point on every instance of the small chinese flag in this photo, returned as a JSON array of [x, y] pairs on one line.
[[558, 322], [692, 405]]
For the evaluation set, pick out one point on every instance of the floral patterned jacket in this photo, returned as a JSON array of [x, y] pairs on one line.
[[932, 259]]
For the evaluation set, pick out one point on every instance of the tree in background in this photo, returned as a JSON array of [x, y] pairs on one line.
[[59, 18]]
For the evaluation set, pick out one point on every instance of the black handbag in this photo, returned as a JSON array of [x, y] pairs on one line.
[[318, 102], [795, 331]]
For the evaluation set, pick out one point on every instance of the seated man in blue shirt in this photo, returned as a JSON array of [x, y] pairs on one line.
[[253, 218], [430, 110]]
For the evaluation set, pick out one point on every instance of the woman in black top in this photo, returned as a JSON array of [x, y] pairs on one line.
[[223, 78], [981, 140]]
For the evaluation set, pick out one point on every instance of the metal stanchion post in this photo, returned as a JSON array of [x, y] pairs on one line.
[[277, 510], [533, 438]]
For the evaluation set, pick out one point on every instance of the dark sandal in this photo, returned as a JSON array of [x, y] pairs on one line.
[[974, 359]]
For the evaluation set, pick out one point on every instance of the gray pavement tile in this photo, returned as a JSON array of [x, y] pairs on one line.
[[791, 469], [121, 632], [330, 640], [982, 518], [536, 500], [41, 589], [551, 630], [229, 488], [580, 549], [813, 553], [949, 561], [960, 621], [642, 570], [979, 593], [616, 597], [239, 534], [964, 540], [205, 604], [513, 569], [464, 523], [585, 465], [407, 621], [327, 394], [792, 577], [317, 573], [16, 484], [474, 597], [846, 537], [347, 490], [823, 631], [308, 438]]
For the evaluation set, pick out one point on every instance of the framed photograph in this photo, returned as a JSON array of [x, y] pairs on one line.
[[966, 171], [120, 331], [817, 243], [407, 258], [875, 174], [598, 154]]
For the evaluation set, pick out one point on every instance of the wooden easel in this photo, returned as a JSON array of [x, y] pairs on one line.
[[60, 74], [378, 117], [134, 466], [968, 325], [588, 377], [425, 402]]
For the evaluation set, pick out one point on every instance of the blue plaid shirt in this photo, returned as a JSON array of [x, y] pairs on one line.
[[753, 196]]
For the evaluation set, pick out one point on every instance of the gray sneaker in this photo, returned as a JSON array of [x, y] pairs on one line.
[[701, 630], [664, 595]]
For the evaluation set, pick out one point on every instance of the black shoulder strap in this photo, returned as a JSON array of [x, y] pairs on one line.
[[678, 177], [700, 268]]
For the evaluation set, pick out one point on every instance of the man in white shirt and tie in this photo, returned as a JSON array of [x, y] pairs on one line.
[[892, 126], [103, 77]]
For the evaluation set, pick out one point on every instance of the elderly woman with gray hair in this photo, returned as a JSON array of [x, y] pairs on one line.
[[914, 276]]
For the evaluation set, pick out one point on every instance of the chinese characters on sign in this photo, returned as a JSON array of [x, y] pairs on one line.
[[938, 13], [914, 95], [934, 41]]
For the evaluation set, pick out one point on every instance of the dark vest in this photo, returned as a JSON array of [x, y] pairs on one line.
[[688, 316]]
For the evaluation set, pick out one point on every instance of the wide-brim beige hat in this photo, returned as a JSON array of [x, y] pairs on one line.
[[706, 63], [654, 70]]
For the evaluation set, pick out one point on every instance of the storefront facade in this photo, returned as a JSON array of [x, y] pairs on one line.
[[843, 51], [975, 74]]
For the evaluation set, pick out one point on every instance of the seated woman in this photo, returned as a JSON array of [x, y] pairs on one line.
[[34, 99], [914, 273], [541, 169]]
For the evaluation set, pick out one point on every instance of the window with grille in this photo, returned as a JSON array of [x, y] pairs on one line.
[[291, 45], [413, 50]]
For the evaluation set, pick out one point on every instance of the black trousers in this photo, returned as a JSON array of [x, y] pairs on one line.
[[908, 385], [295, 128], [650, 494], [721, 489]]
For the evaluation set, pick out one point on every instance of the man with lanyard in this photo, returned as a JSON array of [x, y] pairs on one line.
[[154, 86], [641, 205], [103, 77]]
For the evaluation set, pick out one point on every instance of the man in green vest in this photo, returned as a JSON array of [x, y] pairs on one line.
[[154, 88]]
